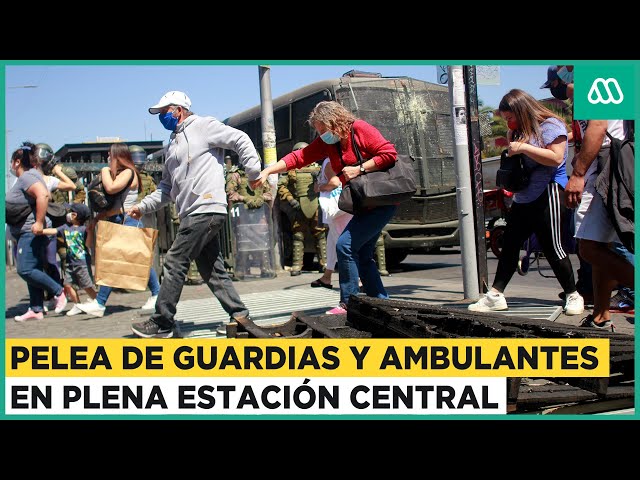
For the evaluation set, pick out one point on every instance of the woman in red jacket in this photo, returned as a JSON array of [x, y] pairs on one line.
[[357, 242]]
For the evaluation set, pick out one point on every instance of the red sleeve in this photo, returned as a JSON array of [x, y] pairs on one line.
[[316, 151], [373, 145]]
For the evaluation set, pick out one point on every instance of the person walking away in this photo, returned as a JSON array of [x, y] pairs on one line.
[[120, 178], [30, 190], [78, 240], [611, 267], [356, 244], [541, 137], [193, 177]]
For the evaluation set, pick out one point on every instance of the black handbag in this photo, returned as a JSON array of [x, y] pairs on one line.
[[16, 213], [513, 174], [99, 199], [391, 186]]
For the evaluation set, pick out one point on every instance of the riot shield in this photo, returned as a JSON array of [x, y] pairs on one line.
[[252, 241]]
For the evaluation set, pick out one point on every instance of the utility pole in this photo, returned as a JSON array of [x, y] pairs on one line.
[[464, 199], [269, 153], [477, 189]]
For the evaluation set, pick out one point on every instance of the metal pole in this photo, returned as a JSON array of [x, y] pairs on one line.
[[463, 182], [477, 189], [269, 146]]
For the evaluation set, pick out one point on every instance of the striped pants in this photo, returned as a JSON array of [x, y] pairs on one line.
[[543, 217]]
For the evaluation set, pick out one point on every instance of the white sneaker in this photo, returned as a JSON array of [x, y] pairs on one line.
[[74, 311], [151, 303], [61, 302], [574, 304], [92, 307], [491, 302]]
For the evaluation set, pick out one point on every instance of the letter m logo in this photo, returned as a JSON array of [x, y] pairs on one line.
[[605, 92]]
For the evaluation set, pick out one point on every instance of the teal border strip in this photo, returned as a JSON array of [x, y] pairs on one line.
[[525, 417]]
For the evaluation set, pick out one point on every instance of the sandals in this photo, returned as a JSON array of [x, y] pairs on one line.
[[318, 283]]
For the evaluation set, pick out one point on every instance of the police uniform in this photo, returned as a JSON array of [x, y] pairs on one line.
[[296, 190], [239, 192], [59, 196]]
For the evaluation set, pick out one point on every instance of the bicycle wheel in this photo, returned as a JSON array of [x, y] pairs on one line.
[[523, 265], [496, 240]]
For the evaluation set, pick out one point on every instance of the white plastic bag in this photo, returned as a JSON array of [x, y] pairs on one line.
[[329, 204]]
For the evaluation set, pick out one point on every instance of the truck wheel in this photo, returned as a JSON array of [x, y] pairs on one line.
[[395, 257]]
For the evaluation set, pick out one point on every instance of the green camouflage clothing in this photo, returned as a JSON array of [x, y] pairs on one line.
[[238, 190], [147, 186], [295, 189], [79, 194]]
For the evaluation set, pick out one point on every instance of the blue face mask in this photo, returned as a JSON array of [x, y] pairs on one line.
[[329, 137], [565, 75], [168, 121]]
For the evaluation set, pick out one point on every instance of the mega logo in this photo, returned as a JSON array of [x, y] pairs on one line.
[[601, 92], [605, 92]]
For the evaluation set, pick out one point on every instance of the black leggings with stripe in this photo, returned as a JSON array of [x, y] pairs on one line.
[[543, 217]]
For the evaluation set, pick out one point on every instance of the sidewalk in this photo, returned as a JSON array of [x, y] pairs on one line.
[[271, 301]]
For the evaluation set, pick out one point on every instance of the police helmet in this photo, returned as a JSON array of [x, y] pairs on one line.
[[138, 155], [299, 146], [44, 154]]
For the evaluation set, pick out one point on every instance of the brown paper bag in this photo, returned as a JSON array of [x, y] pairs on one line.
[[124, 255]]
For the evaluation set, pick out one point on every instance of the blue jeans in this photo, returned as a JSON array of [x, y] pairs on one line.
[[355, 249], [154, 284], [30, 255], [621, 250], [197, 239], [51, 260]]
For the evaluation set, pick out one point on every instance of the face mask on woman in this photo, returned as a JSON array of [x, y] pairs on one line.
[[513, 125], [565, 75], [168, 121], [329, 137]]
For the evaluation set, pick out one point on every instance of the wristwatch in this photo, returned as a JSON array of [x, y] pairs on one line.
[[362, 170]]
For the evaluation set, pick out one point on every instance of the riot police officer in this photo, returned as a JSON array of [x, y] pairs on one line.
[[250, 215], [147, 184], [296, 189], [51, 167]]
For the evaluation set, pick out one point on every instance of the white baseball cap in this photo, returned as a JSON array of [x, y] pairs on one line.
[[171, 98]]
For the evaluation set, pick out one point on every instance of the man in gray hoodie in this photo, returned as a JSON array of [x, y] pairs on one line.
[[193, 178]]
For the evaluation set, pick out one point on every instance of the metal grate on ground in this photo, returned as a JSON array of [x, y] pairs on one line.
[[200, 318]]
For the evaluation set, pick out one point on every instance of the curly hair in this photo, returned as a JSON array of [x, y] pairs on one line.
[[333, 116]]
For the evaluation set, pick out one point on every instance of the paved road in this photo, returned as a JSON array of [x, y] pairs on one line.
[[434, 279]]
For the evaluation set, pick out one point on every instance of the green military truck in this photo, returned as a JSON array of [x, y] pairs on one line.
[[414, 115]]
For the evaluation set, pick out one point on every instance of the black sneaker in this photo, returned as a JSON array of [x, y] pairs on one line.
[[150, 329], [588, 322]]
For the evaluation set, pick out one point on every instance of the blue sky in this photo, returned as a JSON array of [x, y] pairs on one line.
[[73, 104]]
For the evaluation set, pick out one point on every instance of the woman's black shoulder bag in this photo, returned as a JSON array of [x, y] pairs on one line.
[[394, 185], [513, 174]]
